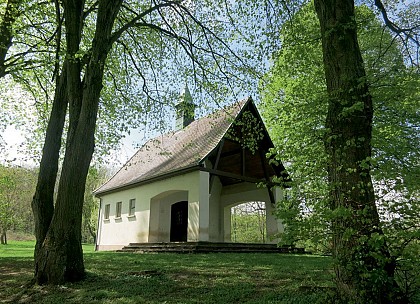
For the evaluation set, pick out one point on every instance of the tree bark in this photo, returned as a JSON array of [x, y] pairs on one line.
[[364, 268], [6, 31], [43, 200], [92, 233], [3, 237], [61, 257]]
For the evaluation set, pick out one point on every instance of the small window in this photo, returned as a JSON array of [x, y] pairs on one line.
[[107, 208], [132, 207], [118, 210]]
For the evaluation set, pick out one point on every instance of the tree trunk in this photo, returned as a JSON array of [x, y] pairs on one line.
[[43, 200], [6, 31], [3, 237], [364, 269], [92, 233], [61, 257]]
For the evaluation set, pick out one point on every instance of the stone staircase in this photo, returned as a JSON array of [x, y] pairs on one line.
[[206, 247]]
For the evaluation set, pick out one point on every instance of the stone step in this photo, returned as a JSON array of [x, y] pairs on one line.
[[206, 247]]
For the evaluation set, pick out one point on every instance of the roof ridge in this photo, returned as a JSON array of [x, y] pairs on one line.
[[224, 109], [195, 142]]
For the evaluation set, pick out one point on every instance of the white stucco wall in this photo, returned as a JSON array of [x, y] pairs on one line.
[[160, 214], [198, 208], [208, 214], [116, 233], [248, 192], [215, 225], [274, 226]]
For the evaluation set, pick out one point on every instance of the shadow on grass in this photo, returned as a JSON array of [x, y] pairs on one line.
[[172, 278]]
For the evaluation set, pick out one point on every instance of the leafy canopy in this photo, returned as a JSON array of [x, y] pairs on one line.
[[294, 107]]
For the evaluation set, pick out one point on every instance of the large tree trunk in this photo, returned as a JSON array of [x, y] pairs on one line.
[[364, 268], [43, 200], [61, 257]]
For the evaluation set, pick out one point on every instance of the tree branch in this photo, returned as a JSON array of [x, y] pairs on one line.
[[116, 35], [6, 33], [394, 27]]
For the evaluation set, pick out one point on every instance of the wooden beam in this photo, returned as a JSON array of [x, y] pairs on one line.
[[232, 175], [219, 153], [230, 153], [148, 180], [232, 141], [270, 193], [243, 161], [216, 163]]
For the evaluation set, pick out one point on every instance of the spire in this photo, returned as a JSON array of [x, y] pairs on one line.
[[184, 109]]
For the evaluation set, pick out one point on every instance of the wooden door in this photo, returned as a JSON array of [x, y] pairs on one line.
[[179, 222]]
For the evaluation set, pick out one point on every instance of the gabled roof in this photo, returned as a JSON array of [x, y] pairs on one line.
[[175, 152]]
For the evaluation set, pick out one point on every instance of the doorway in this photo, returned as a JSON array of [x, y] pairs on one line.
[[179, 222]]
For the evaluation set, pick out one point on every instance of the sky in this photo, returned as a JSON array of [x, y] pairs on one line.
[[14, 138]]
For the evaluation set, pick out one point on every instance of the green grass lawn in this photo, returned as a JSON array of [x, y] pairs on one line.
[[172, 278]]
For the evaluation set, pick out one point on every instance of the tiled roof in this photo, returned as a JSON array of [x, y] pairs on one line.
[[176, 150]]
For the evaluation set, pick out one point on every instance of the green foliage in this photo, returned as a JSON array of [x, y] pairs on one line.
[[248, 223], [17, 186], [16, 190], [295, 108], [248, 131], [96, 177], [7, 214], [294, 111]]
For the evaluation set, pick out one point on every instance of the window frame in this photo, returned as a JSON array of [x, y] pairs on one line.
[[107, 211], [132, 207], [118, 210]]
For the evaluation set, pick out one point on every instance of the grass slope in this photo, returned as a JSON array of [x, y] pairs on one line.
[[172, 278]]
